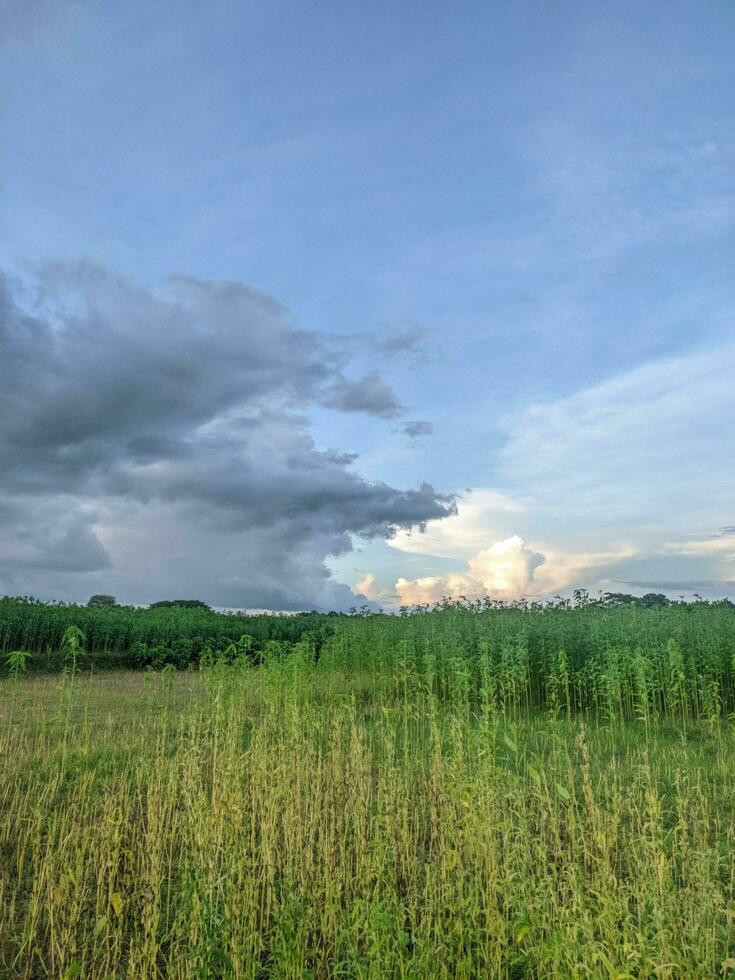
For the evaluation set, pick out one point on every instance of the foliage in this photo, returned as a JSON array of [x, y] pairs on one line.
[[443, 795], [17, 662], [72, 647], [601, 639], [118, 636], [179, 604], [102, 600]]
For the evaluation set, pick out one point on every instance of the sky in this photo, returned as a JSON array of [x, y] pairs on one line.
[[313, 305]]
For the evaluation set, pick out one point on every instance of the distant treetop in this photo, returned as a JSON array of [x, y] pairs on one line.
[[102, 600], [179, 603]]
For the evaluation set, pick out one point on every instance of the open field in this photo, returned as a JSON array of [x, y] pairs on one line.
[[455, 794]]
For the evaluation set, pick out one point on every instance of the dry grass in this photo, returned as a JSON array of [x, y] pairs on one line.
[[300, 821]]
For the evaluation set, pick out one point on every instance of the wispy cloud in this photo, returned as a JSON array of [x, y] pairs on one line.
[[601, 481], [684, 586], [722, 546], [417, 428], [408, 341], [650, 444], [370, 395]]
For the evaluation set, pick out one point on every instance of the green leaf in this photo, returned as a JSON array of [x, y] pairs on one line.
[[221, 958], [521, 927], [116, 901], [563, 792]]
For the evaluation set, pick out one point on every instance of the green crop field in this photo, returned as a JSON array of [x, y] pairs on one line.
[[468, 792]]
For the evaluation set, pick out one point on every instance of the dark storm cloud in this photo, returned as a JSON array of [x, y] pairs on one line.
[[135, 407], [76, 550], [418, 428], [39, 536]]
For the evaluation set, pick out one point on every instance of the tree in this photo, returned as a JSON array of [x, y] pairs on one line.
[[651, 599], [179, 603], [102, 600]]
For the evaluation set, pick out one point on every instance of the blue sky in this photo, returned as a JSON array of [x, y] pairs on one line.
[[538, 198]]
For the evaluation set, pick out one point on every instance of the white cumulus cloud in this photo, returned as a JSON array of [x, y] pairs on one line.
[[483, 516], [503, 571], [368, 587]]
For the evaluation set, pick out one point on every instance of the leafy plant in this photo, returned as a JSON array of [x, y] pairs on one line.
[[17, 662], [72, 647]]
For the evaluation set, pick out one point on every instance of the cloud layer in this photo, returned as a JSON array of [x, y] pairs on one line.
[[649, 445], [624, 483], [503, 571], [157, 441]]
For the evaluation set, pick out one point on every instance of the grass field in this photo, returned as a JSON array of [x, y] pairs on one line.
[[423, 797]]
